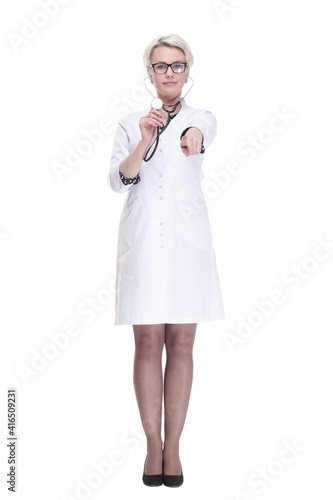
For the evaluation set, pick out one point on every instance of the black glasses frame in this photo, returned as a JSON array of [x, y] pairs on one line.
[[168, 65]]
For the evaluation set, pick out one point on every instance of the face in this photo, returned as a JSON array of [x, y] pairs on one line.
[[168, 85]]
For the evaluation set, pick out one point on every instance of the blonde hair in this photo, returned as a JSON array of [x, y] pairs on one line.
[[168, 41]]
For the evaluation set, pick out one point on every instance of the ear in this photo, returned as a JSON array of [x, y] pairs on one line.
[[149, 71]]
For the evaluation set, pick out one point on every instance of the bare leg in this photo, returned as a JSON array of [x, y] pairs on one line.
[[179, 340], [148, 384]]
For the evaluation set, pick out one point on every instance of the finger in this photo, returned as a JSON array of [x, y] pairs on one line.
[[154, 113], [189, 145], [194, 146], [184, 145], [184, 149], [146, 122], [157, 117], [155, 122], [184, 142]]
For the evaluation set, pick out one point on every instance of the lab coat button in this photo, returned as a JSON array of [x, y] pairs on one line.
[[161, 197], [160, 187], [161, 223]]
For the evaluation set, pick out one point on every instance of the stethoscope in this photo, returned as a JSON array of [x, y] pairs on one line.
[[157, 104]]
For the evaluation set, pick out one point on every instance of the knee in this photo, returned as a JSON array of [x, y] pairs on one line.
[[148, 345], [181, 347]]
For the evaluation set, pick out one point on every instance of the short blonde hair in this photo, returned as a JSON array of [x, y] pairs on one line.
[[168, 41]]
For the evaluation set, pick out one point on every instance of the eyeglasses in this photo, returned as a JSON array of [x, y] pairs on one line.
[[177, 67]]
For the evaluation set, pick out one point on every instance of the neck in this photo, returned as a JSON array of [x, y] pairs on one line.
[[170, 101]]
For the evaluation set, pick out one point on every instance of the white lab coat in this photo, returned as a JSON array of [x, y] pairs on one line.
[[166, 266]]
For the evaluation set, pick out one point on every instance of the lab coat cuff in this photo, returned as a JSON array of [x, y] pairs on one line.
[[127, 180]]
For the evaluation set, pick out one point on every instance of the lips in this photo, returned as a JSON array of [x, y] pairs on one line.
[[170, 83]]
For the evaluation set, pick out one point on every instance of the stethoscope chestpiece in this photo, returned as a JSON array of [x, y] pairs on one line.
[[156, 103]]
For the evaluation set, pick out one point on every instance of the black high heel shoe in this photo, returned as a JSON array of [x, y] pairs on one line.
[[172, 481], [153, 479]]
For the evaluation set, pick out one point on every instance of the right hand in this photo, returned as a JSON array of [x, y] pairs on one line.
[[148, 125]]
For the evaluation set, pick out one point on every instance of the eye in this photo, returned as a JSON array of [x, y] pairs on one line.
[[160, 67], [178, 67]]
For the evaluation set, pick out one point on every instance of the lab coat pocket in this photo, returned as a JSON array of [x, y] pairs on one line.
[[133, 197], [132, 225], [193, 221]]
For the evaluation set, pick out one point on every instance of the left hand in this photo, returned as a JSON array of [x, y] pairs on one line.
[[191, 142]]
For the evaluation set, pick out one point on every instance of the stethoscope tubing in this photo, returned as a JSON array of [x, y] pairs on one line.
[[159, 132]]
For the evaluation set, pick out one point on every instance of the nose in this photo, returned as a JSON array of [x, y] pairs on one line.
[[169, 71]]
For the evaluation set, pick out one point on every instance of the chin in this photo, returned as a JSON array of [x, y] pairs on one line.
[[170, 92]]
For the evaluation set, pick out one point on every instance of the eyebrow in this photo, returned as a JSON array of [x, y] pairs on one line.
[[163, 62]]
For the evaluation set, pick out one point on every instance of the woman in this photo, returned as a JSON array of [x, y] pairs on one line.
[[167, 279]]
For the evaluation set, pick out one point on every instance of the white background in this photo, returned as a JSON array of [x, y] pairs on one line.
[[58, 241]]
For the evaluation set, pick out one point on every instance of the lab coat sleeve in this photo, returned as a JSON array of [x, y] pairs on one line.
[[120, 151], [206, 122]]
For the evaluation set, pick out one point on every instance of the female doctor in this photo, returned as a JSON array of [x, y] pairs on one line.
[[167, 278]]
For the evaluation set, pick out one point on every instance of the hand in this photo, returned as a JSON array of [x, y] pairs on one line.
[[191, 142], [148, 125]]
